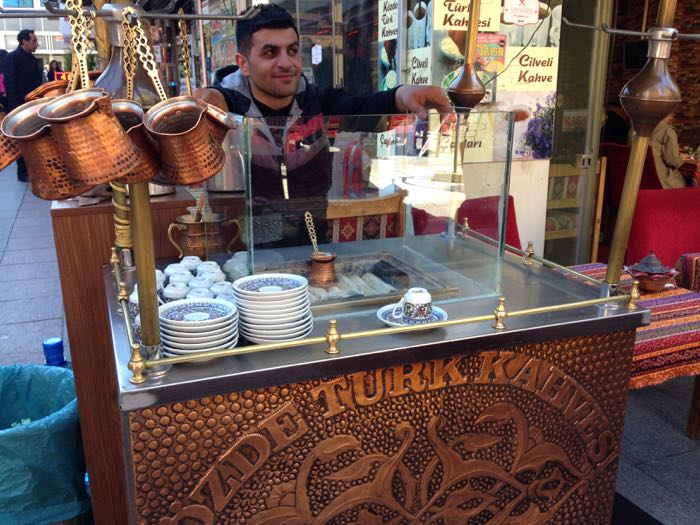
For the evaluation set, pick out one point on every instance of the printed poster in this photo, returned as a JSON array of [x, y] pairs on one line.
[[388, 19], [454, 14], [479, 138], [419, 66], [534, 69]]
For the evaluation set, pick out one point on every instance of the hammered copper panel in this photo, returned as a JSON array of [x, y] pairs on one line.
[[48, 175], [95, 148], [524, 435]]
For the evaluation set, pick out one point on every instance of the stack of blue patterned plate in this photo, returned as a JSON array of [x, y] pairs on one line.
[[196, 325], [273, 307]]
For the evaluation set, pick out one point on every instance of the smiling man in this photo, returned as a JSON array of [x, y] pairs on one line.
[[291, 161], [267, 78]]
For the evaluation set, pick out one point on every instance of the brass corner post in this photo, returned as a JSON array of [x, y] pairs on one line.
[[500, 314], [634, 296], [332, 338], [529, 253], [137, 365]]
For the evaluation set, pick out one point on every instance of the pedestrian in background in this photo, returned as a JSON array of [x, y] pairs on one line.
[[22, 74], [54, 67], [3, 100]]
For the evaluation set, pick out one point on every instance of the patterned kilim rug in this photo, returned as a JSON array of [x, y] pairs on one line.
[[627, 513], [670, 346]]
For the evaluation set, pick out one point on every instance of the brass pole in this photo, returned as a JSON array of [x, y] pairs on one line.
[[467, 90], [667, 11], [122, 224], [472, 31], [142, 230], [625, 213]]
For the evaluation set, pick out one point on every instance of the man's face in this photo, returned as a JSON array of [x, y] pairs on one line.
[[273, 64], [30, 45]]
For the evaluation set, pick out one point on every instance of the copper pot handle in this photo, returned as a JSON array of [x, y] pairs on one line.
[[180, 227], [236, 237]]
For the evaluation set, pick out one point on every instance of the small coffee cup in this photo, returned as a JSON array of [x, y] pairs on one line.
[[181, 277], [191, 262], [415, 305], [200, 293], [175, 291]]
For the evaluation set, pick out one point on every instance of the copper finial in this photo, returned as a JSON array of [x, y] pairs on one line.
[[652, 94], [467, 90]]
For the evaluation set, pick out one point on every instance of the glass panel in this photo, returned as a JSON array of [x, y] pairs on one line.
[[30, 23], [43, 41], [384, 197], [570, 197], [59, 42], [360, 48], [50, 25], [12, 24], [18, 3], [10, 42]]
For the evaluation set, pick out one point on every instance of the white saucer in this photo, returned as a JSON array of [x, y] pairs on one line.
[[384, 315], [261, 340]]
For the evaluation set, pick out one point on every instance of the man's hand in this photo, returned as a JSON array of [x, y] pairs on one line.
[[212, 96], [419, 99]]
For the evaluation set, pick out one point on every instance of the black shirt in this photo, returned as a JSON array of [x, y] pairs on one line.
[[22, 76]]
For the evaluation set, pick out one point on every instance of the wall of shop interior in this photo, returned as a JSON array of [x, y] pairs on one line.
[[684, 64]]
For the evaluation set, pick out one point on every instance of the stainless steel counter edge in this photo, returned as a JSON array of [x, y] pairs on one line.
[[191, 381]]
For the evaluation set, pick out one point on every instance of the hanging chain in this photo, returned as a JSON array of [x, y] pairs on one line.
[[129, 56], [145, 53], [182, 24], [80, 31]]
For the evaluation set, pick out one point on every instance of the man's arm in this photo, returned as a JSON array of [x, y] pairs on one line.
[[212, 96], [413, 99]]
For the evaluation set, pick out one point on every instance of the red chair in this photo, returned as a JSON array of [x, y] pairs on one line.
[[618, 158], [482, 214], [665, 221]]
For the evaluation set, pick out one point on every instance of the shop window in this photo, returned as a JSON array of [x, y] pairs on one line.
[[19, 3]]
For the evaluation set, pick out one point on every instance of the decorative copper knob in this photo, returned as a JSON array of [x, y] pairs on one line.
[[652, 94], [467, 90]]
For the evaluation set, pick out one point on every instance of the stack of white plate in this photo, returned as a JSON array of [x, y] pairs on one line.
[[196, 325], [273, 307]]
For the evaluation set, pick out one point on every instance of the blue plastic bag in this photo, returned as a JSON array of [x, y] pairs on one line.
[[42, 468]]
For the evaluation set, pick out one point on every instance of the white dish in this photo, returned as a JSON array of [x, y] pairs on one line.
[[262, 340], [268, 297], [385, 315], [204, 332], [196, 312], [264, 331], [213, 345], [268, 306], [280, 322], [206, 329], [263, 284], [200, 338], [287, 316]]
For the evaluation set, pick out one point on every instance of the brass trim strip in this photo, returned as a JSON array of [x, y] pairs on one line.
[[227, 352]]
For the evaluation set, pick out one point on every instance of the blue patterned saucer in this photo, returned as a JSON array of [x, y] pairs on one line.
[[196, 312], [270, 283], [385, 315]]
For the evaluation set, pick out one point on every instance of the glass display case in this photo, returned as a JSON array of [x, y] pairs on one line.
[[385, 197]]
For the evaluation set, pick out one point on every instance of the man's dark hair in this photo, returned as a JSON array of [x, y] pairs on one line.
[[270, 16], [25, 34]]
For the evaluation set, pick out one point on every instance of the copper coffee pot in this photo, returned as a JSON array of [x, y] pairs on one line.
[[202, 237]]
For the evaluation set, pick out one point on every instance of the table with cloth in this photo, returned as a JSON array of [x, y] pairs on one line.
[[670, 346]]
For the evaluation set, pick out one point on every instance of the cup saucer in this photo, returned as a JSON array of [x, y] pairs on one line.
[[385, 315]]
